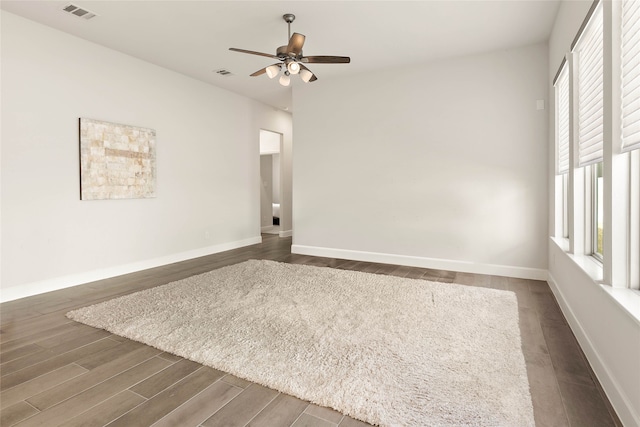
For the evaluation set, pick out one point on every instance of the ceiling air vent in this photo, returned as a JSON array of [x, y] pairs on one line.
[[79, 12], [223, 72]]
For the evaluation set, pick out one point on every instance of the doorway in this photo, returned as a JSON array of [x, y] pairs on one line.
[[270, 182]]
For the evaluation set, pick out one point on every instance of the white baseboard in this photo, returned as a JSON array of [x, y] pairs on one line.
[[266, 228], [286, 233], [35, 288], [619, 400], [435, 263]]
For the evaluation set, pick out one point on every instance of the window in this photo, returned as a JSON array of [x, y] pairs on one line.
[[594, 211], [562, 121], [562, 146], [590, 91], [565, 205], [590, 67], [634, 220], [581, 93], [597, 210], [630, 126], [630, 70]]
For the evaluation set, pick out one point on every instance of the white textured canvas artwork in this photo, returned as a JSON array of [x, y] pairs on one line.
[[116, 161]]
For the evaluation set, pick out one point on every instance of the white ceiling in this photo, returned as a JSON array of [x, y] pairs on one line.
[[193, 37]]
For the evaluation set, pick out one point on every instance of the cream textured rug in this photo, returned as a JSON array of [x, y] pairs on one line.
[[382, 349]]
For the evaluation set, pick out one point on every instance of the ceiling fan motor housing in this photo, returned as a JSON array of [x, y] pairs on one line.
[[282, 52]]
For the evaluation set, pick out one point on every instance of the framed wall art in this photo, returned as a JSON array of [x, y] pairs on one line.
[[116, 161]]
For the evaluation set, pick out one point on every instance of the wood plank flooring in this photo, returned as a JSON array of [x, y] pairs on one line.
[[58, 372]]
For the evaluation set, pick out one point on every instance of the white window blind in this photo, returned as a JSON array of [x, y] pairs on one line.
[[590, 96], [630, 74], [562, 142]]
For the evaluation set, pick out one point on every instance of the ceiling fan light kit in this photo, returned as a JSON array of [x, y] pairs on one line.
[[293, 67], [273, 70], [306, 75], [284, 79], [291, 58]]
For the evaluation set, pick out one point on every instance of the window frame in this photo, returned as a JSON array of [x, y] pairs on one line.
[[634, 220], [565, 206]]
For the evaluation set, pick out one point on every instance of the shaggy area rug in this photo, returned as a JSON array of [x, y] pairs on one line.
[[382, 349]]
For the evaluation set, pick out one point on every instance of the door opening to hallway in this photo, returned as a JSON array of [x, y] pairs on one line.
[[270, 182]]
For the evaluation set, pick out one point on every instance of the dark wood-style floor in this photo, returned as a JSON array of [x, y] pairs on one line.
[[58, 372]]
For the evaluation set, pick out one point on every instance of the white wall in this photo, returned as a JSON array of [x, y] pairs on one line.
[[207, 162], [608, 334], [440, 165]]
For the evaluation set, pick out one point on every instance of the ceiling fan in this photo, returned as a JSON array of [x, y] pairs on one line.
[[291, 59]]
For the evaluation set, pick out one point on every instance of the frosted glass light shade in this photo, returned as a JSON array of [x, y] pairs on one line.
[[293, 67], [273, 70], [285, 80], [306, 75]]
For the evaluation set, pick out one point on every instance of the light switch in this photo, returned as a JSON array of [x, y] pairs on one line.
[[540, 104]]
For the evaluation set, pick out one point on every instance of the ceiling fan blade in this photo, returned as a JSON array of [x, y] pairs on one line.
[[251, 52], [265, 70], [295, 44], [325, 59], [313, 77], [259, 72]]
